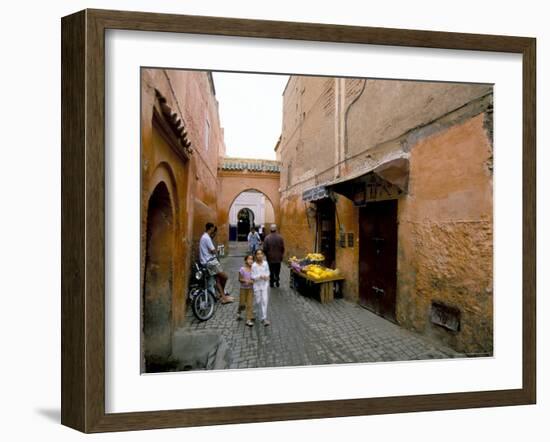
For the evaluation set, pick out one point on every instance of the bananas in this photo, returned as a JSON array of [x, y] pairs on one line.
[[315, 257], [313, 271], [320, 273]]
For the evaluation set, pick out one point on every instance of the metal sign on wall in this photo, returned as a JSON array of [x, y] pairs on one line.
[[316, 193]]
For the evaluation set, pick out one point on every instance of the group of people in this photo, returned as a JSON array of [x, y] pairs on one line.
[[254, 276], [261, 270], [273, 247]]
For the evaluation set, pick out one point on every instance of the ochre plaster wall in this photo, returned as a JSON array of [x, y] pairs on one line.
[[445, 245], [444, 222], [192, 184]]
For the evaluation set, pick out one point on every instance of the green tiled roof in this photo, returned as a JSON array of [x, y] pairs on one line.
[[250, 165]]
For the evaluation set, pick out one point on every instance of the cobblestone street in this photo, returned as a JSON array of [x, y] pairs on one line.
[[305, 332]]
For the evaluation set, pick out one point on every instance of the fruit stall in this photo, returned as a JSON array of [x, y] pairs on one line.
[[310, 278]]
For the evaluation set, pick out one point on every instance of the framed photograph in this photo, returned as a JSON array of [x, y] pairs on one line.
[[267, 221]]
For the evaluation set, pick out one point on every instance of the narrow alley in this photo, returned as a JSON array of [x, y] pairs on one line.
[[305, 332], [378, 194]]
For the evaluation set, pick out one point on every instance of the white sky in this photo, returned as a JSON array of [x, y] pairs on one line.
[[251, 108]]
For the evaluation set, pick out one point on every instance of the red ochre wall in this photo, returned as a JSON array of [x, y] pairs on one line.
[[445, 250], [445, 242], [192, 184], [445, 226]]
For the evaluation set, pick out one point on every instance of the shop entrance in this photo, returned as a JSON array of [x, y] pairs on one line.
[[378, 257], [326, 230]]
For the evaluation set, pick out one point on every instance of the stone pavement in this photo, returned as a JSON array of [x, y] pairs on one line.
[[305, 332]]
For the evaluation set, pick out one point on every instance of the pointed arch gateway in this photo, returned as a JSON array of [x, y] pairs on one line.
[[231, 191], [238, 176]]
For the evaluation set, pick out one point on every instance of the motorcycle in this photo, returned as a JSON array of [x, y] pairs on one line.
[[202, 292]]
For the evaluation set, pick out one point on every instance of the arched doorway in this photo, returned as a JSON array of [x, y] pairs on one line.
[[158, 278], [249, 208], [245, 221]]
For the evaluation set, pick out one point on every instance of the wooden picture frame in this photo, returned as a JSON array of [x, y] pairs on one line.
[[83, 220]]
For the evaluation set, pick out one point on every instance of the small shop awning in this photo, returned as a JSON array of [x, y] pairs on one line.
[[386, 180]]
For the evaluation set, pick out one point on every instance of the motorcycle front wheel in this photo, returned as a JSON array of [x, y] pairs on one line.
[[203, 305]]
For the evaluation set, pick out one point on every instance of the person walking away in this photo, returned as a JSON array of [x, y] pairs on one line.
[[246, 297], [253, 241], [209, 259], [274, 249], [260, 276]]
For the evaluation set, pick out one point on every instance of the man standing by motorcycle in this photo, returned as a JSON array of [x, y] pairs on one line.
[[209, 259]]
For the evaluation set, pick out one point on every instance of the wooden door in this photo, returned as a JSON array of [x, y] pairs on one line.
[[378, 257], [158, 278], [326, 212]]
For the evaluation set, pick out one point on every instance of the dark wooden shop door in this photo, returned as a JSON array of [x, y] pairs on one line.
[[327, 230], [378, 257]]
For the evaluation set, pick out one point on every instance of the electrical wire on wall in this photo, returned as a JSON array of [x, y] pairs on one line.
[[309, 213], [346, 118], [340, 225]]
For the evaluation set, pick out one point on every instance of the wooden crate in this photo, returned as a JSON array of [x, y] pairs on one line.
[[326, 292], [323, 290]]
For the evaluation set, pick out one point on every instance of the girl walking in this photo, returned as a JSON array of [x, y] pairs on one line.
[[260, 276], [246, 297]]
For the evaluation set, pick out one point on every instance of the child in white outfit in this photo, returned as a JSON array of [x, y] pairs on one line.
[[260, 276]]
